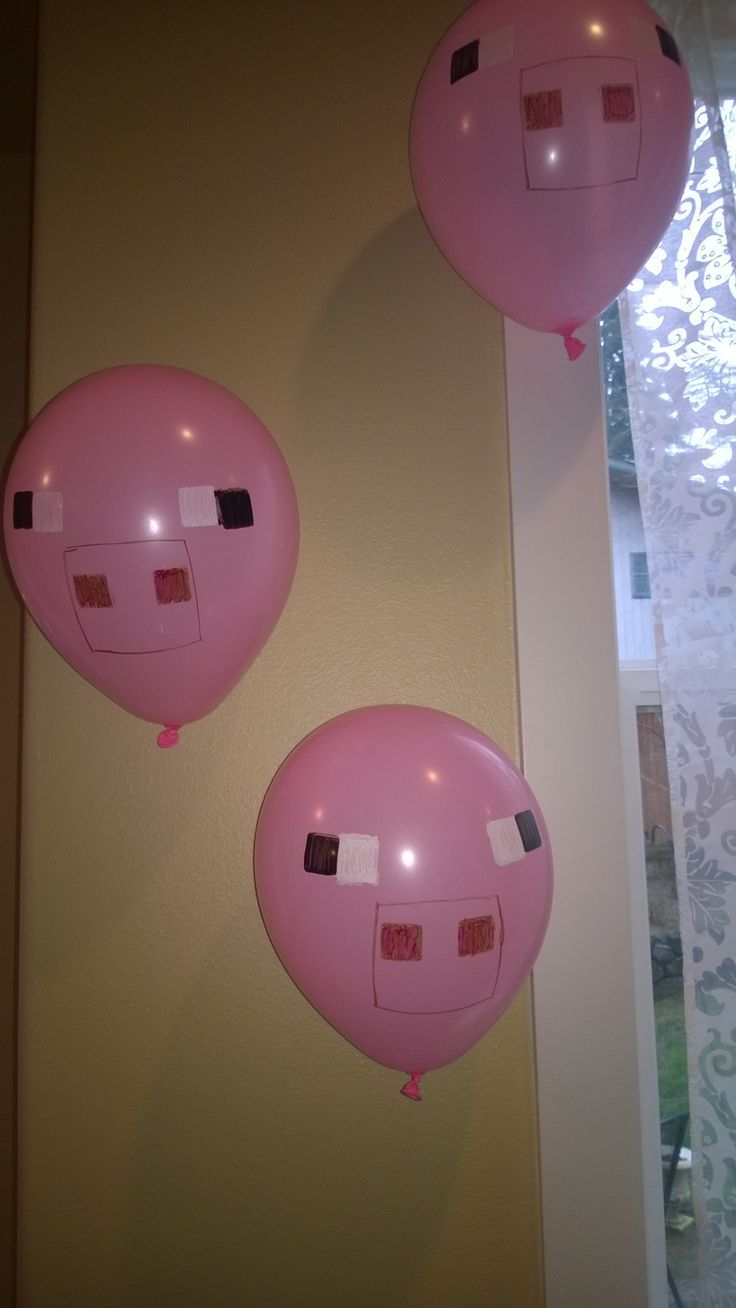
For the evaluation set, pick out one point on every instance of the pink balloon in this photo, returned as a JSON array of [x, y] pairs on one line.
[[549, 149], [152, 529], [405, 879]]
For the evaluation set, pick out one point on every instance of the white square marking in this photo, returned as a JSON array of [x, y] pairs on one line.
[[506, 841], [496, 48], [357, 860], [48, 511], [197, 506]]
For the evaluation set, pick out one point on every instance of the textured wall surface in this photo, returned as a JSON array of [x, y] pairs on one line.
[[15, 206], [17, 59], [225, 187]]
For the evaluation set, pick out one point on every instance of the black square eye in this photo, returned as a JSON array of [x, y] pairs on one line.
[[668, 45], [528, 830], [320, 854], [23, 510], [464, 61], [234, 508]]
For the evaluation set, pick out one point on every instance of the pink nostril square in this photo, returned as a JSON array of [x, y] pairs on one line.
[[542, 109], [401, 942], [619, 104], [475, 935], [172, 585], [92, 591]]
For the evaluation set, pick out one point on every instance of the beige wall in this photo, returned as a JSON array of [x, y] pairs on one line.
[[225, 187], [17, 57], [15, 197]]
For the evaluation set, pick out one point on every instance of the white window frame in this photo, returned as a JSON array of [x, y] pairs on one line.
[[598, 1113], [639, 687]]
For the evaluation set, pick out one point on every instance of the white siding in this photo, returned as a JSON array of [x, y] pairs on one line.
[[634, 622]]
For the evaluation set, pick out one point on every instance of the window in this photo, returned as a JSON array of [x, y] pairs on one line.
[[640, 588], [601, 1135]]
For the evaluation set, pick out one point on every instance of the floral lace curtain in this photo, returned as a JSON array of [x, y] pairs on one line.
[[679, 329]]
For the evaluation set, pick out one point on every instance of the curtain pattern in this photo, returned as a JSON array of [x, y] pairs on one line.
[[679, 329]]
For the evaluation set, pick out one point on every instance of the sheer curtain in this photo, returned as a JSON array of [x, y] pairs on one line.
[[679, 329]]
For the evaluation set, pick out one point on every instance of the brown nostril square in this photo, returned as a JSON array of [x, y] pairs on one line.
[[475, 935], [619, 104], [172, 585], [92, 591], [401, 942], [542, 109]]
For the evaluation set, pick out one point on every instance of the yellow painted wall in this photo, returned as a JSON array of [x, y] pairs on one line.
[[224, 186], [17, 58], [15, 196]]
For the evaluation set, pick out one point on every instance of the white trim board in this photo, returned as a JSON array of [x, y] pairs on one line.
[[601, 1237]]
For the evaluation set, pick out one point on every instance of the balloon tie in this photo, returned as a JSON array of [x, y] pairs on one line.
[[573, 346], [168, 738], [412, 1089]]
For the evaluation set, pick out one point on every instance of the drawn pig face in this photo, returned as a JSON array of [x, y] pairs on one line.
[[581, 113], [463, 938], [152, 529], [582, 123], [404, 876], [136, 596]]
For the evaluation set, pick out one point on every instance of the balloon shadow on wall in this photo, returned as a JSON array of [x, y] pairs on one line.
[[402, 392], [401, 384], [276, 1164], [115, 872], [266, 1138]]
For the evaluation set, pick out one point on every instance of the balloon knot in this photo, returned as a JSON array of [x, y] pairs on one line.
[[168, 738], [412, 1088], [573, 346]]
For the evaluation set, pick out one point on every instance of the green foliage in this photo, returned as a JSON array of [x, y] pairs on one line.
[[669, 1020]]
